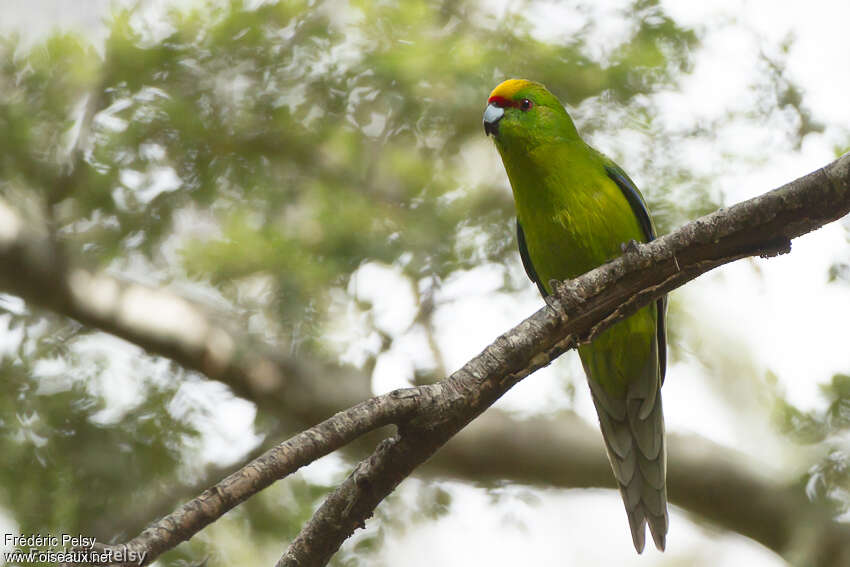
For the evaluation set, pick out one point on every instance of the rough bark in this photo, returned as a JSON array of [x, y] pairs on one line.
[[588, 304]]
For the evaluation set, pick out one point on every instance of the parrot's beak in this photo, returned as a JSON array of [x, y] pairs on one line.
[[492, 115]]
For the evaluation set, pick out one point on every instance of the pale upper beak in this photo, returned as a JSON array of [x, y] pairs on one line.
[[492, 115]]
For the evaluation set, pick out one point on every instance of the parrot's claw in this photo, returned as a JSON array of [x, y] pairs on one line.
[[554, 304], [570, 299], [629, 247]]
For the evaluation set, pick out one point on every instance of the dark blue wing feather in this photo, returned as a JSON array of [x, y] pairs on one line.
[[638, 205], [526, 259], [634, 198]]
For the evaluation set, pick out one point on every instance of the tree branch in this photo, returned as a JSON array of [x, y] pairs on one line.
[[277, 463], [592, 302], [166, 324], [589, 303]]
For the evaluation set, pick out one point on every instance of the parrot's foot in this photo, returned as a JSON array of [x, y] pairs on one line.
[[629, 247], [566, 298], [555, 305]]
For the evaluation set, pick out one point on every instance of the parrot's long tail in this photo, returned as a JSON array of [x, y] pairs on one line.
[[633, 430]]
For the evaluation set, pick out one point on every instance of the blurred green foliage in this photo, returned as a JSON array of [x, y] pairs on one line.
[[291, 143], [828, 479]]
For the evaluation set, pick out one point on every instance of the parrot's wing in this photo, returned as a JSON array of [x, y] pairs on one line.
[[640, 210], [640, 470], [526, 259], [633, 196]]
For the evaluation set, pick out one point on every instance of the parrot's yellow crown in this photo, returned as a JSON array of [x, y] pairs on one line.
[[509, 88]]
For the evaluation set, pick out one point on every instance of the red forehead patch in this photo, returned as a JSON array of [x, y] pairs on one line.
[[502, 102]]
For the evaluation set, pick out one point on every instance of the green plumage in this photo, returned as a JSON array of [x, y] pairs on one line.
[[575, 210]]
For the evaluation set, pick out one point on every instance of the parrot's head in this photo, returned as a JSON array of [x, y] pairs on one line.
[[523, 113]]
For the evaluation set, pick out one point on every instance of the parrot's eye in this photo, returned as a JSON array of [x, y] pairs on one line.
[[525, 104]]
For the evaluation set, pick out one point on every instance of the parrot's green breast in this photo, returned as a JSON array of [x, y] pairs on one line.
[[574, 218]]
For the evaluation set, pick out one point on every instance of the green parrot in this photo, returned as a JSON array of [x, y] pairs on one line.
[[576, 209]]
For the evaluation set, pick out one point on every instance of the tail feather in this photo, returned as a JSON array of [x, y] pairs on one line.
[[633, 429], [658, 529], [637, 524], [647, 432], [642, 485]]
